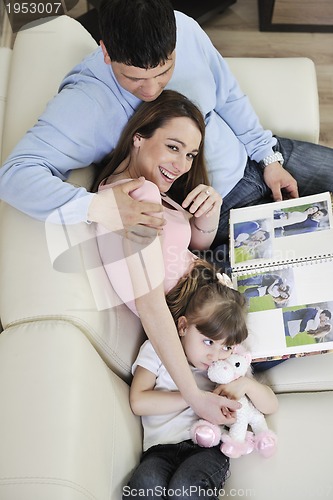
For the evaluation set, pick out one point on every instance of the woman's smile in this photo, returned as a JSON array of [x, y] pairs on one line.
[[167, 175]]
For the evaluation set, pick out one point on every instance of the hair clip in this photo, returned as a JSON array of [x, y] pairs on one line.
[[224, 279]]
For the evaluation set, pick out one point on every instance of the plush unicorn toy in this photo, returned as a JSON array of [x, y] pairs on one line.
[[238, 441]]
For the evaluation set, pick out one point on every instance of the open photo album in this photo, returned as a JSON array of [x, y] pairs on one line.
[[281, 257]]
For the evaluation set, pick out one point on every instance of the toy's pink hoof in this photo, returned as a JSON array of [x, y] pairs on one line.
[[265, 443], [236, 449], [205, 434]]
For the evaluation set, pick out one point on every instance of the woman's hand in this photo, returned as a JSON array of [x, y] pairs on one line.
[[203, 200], [204, 203]]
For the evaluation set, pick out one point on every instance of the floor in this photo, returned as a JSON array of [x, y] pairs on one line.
[[318, 12], [235, 34]]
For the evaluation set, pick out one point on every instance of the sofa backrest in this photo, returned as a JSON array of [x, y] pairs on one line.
[[284, 93], [32, 288], [43, 53]]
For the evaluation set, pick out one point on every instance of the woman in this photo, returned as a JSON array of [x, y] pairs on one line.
[[163, 142]]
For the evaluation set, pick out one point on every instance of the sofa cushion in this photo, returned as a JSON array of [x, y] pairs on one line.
[[33, 290], [66, 427], [304, 374], [301, 467]]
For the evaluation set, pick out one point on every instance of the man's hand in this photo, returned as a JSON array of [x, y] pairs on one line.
[[278, 179], [116, 210]]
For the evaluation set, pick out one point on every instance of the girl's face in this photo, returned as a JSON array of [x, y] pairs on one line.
[[201, 351], [167, 155]]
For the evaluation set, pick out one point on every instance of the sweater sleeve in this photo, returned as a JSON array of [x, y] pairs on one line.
[[234, 107], [73, 132]]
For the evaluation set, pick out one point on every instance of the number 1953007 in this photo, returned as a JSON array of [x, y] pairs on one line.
[[53, 8]]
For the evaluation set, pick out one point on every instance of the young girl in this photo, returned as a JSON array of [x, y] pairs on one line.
[[211, 319], [163, 142]]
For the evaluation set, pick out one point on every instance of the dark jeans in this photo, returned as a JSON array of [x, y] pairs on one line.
[[183, 470], [262, 366], [310, 164]]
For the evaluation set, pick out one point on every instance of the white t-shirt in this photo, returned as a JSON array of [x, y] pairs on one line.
[[173, 427]]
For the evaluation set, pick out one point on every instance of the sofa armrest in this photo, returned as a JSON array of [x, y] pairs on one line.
[[283, 92], [303, 374], [43, 53], [66, 427], [5, 59], [67, 291]]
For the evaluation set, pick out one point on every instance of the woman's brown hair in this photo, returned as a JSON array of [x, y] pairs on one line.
[[146, 120]]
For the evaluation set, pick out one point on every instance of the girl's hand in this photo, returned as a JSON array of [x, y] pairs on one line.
[[259, 394], [234, 390], [203, 200]]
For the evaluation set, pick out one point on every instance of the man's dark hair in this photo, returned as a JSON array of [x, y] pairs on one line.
[[139, 33], [327, 313]]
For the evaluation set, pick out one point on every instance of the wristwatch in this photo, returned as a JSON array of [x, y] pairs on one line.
[[277, 156]]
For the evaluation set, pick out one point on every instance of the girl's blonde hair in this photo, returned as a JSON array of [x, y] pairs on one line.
[[217, 311]]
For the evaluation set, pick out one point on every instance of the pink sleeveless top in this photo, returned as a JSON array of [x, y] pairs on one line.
[[175, 241]]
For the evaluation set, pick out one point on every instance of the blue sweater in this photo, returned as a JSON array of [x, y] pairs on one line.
[[83, 123]]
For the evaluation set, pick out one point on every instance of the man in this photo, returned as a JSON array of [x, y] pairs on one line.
[[308, 318], [249, 234], [283, 218], [264, 284], [311, 223], [138, 57]]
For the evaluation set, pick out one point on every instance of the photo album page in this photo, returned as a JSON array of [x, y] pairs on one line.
[[281, 256]]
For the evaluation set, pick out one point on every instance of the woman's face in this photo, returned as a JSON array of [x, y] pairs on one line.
[[168, 154], [312, 210]]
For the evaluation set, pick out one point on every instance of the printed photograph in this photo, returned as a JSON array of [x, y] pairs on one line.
[[268, 290], [308, 324], [301, 219], [252, 240]]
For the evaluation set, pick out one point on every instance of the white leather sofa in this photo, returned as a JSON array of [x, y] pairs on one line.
[[66, 428]]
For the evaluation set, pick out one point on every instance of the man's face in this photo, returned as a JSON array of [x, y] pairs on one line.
[[145, 84], [317, 215], [257, 238], [323, 319]]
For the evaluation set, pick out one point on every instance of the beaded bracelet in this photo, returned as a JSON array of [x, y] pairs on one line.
[[204, 230]]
